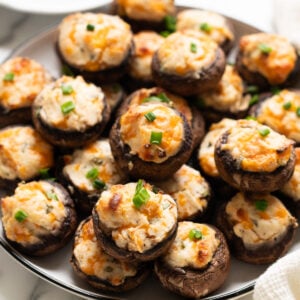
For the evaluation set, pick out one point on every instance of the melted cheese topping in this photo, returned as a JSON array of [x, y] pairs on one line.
[[136, 229], [97, 156], [177, 102], [29, 79], [292, 187], [136, 131], [275, 66], [206, 153], [44, 205], [93, 261], [177, 57], [189, 189], [228, 95], [88, 100], [284, 120], [254, 152], [256, 227], [23, 153], [146, 10], [194, 18], [146, 43], [194, 253], [106, 46]]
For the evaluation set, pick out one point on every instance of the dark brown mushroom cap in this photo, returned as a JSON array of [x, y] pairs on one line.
[[143, 271], [195, 283], [54, 240]]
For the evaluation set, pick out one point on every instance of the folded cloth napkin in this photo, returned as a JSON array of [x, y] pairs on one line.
[[281, 280]]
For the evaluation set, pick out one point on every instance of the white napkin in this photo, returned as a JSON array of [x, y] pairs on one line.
[[281, 280]]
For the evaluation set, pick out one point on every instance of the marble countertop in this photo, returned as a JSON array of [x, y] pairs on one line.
[[17, 27]]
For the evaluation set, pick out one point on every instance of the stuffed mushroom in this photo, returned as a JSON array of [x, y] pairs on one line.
[[24, 155], [253, 157], [87, 172], [151, 141], [39, 218], [21, 79], [70, 112], [258, 227], [197, 263], [96, 46], [98, 268], [266, 60], [135, 222], [188, 63], [216, 26]]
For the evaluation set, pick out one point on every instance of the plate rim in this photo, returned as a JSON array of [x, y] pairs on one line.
[[21, 259]]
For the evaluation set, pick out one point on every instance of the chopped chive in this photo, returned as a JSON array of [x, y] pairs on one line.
[[193, 48], [44, 173], [141, 195], [99, 184], [92, 173], [52, 196], [161, 97], [170, 23], [261, 204], [67, 71], [90, 27], [150, 116], [205, 27], [165, 33], [264, 131], [253, 100], [9, 76], [67, 89], [21, 215], [156, 137], [252, 89], [275, 90], [67, 107], [298, 111], [287, 105], [251, 118], [195, 234], [264, 48]]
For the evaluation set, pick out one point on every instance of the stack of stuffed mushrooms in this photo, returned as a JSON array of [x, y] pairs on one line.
[[150, 152]]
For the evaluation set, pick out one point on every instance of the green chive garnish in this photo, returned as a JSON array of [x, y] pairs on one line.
[[90, 27], [165, 33], [265, 49], [92, 173], [99, 184], [52, 196], [67, 107], [264, 131], [156, 137], [21, 215], [195, 234], [162, 97], [44, 173], [205, 27], [150, 116], [275, 90], [287, 105], [67, 71], [298, 111], [251, 118], [141, 195], [261, 204], [67, 89], [193, 48], [253, 100], [252, 89], [170, 23], [9, 76]]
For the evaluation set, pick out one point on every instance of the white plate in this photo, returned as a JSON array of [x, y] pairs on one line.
[[56, 268], [52, 6]]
